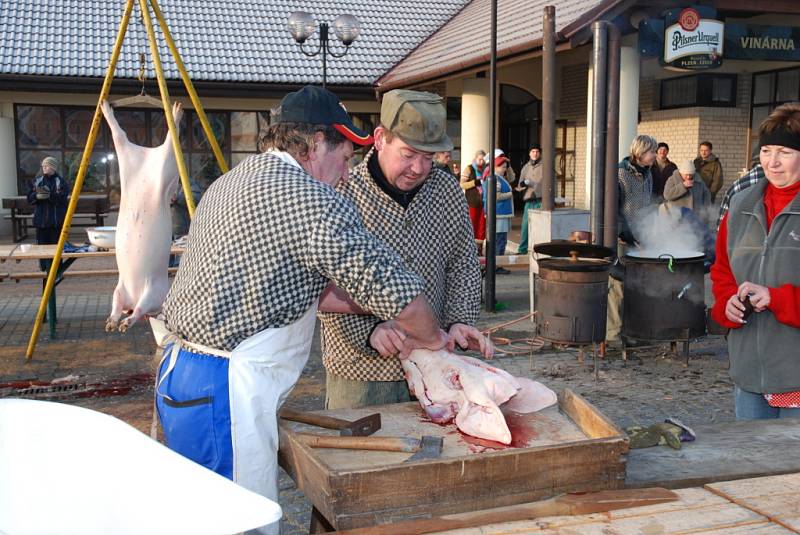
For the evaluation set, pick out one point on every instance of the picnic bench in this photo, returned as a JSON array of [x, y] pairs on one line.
[[91, 211], [46, 253]]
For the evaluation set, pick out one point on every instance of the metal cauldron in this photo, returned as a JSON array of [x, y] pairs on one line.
[[572, 292], [664, 296]]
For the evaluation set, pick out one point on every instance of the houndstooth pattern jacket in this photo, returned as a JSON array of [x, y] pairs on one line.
[[264, 242], [434, 237]]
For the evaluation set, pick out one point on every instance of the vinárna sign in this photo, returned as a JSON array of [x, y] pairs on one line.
[[693, 43]]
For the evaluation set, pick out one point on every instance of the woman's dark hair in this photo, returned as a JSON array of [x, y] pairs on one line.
[[662, 144], [784, 117]]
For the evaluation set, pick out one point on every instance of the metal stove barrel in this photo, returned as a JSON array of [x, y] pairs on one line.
[[572, 293], [664, 298]]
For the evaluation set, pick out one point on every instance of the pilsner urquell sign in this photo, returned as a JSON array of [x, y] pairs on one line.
[[693, 43]]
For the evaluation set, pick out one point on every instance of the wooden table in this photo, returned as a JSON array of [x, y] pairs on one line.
[[763, 506], [45, 254], [722, 452], [94, 206], [571, 447]]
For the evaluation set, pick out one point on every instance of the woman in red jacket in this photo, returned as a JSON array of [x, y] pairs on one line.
[[756, 279]]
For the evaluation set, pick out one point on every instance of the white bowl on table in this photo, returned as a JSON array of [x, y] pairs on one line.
[[102, 237]]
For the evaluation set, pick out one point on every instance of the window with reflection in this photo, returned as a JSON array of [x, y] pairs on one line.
[[62, 132]]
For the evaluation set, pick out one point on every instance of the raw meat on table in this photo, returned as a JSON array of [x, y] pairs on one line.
[[450, 386], [148, 178]]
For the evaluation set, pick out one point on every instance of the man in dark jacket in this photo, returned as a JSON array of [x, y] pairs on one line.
[[661, 170], [710, 168], [530, 183], [48, 194]]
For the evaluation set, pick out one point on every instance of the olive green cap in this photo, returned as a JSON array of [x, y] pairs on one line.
[[418, 118]]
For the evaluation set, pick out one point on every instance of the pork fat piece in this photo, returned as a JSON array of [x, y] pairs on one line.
[[450, 386], [148, 178]]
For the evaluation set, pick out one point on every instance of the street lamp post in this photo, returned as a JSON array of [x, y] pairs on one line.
[[302, 25]]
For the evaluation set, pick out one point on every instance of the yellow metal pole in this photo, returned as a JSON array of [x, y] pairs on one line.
[[76, 189], [162, 87], [187, 81]]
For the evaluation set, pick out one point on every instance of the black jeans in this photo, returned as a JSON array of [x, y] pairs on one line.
[[47, 236]]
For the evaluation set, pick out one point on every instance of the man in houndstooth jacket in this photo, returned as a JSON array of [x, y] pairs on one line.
[[266, 239], [420, 212]]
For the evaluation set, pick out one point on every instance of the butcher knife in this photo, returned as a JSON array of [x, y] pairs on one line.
[[360, 428], [581, 503]]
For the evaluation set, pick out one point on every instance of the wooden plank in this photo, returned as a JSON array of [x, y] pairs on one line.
[[775, 497], [47, 252], [593, 423], [24, 275], [356, 489], [722, 452], [697, 511]]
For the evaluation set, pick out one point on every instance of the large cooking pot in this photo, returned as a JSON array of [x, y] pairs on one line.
[[572, 292], [664, 295]]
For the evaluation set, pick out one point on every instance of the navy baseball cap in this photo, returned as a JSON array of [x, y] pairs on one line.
[[314, 105]]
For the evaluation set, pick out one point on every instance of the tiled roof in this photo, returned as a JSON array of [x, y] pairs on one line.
[[219, 40], [463, 42]]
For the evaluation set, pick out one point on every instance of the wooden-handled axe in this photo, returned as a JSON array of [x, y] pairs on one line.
[[427, 447]]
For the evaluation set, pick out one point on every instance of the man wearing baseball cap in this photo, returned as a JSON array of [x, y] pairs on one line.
[[265, 241], [421, 213]]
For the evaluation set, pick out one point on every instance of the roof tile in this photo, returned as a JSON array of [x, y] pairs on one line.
[[219, 40], [463, 42]]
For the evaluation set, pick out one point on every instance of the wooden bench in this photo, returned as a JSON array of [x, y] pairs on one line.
[[21, 223], [90, 211], [69, 274]]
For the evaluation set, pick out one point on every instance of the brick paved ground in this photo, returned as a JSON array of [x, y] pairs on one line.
[[649, 387]]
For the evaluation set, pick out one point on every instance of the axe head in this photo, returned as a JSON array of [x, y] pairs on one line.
[[363, 427], [429, 448]]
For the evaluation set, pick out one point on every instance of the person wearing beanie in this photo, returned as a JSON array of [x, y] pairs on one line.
[[755, 280], [48, 193], [686, 189], [504, 210]]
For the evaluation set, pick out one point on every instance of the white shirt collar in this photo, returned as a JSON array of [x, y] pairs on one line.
[[285, 156]]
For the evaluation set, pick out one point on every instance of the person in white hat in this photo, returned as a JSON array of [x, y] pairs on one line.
[[686, 189], [48, 193]]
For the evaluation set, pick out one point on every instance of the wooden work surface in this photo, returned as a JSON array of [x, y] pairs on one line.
[[722, 452], [408, 420], [763, 506], [47, 252], [571, 447]]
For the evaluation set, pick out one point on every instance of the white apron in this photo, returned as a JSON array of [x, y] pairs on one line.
[[262, 371]]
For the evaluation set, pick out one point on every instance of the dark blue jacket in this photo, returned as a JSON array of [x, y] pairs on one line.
[[49, 213]]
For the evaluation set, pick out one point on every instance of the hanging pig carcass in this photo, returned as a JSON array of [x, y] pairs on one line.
[[455, 387], [148, 178]]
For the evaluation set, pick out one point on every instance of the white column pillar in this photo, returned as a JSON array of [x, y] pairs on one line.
[[8, 166], [587, 182], [628, 99], [475, 119]]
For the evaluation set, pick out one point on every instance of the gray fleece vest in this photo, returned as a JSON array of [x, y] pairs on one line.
[[764, 354]]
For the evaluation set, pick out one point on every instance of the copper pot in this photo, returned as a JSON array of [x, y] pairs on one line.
[[581, 236]]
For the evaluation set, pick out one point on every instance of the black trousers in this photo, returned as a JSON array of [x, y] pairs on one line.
[[47, 236]]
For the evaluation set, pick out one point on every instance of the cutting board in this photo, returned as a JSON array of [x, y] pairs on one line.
[[569, 447]]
